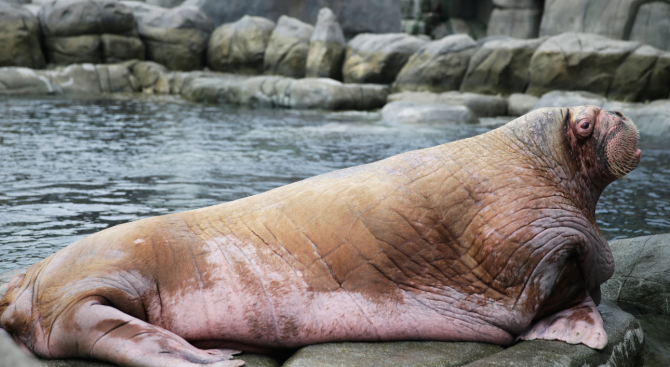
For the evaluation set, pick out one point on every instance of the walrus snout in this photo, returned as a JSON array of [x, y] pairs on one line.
[[621, 149]]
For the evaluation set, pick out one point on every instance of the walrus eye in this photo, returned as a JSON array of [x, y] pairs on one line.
[[584, 128]]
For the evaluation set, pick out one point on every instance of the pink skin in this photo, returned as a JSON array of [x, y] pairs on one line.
[[485, 239]]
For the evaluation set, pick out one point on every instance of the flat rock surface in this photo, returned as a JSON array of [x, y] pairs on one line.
[[402, 112]]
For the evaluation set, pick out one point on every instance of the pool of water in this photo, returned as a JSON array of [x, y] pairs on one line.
[[73, 167]]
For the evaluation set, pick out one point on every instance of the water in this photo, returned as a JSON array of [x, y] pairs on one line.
[[73, 167]]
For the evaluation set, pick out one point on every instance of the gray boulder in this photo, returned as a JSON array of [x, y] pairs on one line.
[[624, 347], [12, 355], [609, 18], [401, 112], [73, 31], [92, 79], [19, 37], [632, 77], [642, 273], [480, 105], [652, 25], [658, 86], [651, 119], [378, 58], [329, 94], [326, 47], [165, 3], [239, 47], [519, 104], [517, 23], [409, 354], [576, 61], [437, 66], [288, 47], [500, 66], [373, 16], [153, 78], [561, 98], [17, 81], [176, 38]]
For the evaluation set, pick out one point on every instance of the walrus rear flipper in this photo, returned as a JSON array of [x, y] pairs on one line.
[[96, 330], [581, 323]]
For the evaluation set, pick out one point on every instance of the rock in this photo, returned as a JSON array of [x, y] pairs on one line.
[[19, 37], [437, 66], [378, 58], [89, 31], [409, 354], [152, 77], [561, 98], [287, 49], [239, 47], [176, 38], [632, 77], [642, 274], [517, 23], [89, 78], [652, 25], [623, 348], [575, 61], [414, 97], [326, 47], [165, 3], [610, 18], [652, 119], [328, 94], [12, 355], [500, 65], [519, 4], [17, 81], [257, 360], [659, 81], [427, 114], [373, 16], [415, 27], [479, 104], [519, 104]]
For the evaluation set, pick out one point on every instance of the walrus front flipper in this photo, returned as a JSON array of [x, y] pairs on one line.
[[581, 323], [95, 330]]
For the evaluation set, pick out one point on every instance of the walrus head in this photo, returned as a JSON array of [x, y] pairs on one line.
[[604, 142]]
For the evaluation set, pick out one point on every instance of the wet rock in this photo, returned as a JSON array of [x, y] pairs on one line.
[[576, 61], [17, 81], [326, 47], [437, 66], [89, 78], [652, 25], [519, 104], [12, 355], [153, 77], [500, 65], [329, 94], [356, 16], [165, 3], [73, 30], [633, 75], [623, 348], [652, 119], [176, 38], [561, 98], [642, 273], [239, 47], [517, 23], [401, 112], [607, 18], [659, 81], [19, 37], [479, 104], [221, 88], [258, 360], [408, 354], [378, 58], [288, 47]]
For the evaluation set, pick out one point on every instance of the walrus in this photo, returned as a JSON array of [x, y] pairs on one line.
[[488, 239]]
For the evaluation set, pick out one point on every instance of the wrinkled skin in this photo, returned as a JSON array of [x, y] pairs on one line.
[[486, 239]]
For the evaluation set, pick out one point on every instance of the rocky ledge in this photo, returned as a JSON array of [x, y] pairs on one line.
[[642, 277]]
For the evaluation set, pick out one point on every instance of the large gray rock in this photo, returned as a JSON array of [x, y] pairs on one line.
[[577, 61], [288, 48], [624, 347], [642, 273], [326, 47], [561, 98], [480, 105], [652, 25], [408, 354], [356, 16], [165, 3], [378, 58], [610, 18], [12, 355], [401, 112], [437, 66], [17, 81], [19, 37], [633, 77], [500, 66], [652, 119], [78, 31], [517, 23], [519, 104], [90, 78], [176, 38], [659, 81], [239, 47]]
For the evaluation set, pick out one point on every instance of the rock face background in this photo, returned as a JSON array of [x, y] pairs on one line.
[[288, 47], [326, 47], [239, 47], [19, 37]]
